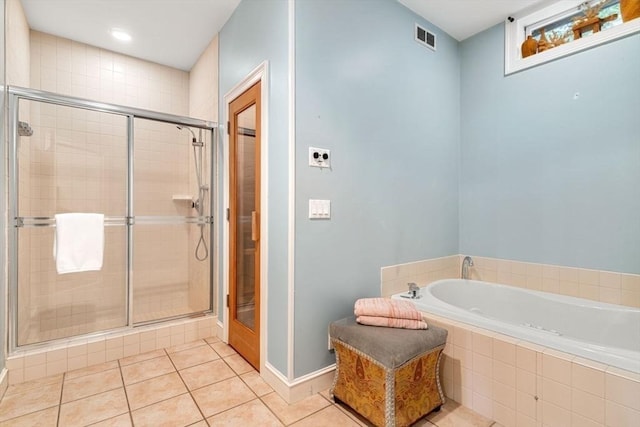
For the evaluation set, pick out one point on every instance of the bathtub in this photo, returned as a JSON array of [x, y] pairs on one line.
[[606, 333]]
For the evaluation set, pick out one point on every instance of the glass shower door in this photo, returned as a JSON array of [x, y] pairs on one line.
[[171, 262], [68, 160]]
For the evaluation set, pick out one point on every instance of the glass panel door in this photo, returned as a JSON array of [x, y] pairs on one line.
[[171, 260], [69, 160]]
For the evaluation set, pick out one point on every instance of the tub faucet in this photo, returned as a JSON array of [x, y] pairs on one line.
[[466, 263], [413, 290]]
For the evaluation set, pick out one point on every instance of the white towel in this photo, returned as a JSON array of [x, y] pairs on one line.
[[78, 244]]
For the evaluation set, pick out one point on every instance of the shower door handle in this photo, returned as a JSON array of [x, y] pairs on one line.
[[255, 226]]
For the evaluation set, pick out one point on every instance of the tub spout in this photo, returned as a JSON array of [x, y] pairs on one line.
[[466, 263], [413, 290]]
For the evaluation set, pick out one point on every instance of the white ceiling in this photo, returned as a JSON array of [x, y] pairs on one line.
[[169, 32], [176, 32], [464, 18]]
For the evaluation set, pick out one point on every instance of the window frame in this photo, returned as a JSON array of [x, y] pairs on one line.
[[515, 35]]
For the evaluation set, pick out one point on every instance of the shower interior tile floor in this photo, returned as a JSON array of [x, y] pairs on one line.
[[203, 383]]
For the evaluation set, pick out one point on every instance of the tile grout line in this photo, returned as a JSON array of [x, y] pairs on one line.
[[64, 376], [126, 395], [186, 386]]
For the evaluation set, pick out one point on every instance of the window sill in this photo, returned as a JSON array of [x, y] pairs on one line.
[[514, 62]]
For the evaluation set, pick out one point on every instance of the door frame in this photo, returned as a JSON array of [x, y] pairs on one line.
[[259, 74]]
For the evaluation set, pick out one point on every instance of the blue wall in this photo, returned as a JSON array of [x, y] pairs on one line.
[[546, 178], [257, 31], [388, 109]]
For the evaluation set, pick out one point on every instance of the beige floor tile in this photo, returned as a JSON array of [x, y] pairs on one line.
[[253, 413], [93, 409], [327, 417], [88, 385], [33, 384], [186, 346], [289, 414], [255, 383], [205, 374], [154, 390], [18, 404], [212, 340], [223, 349], [45, 418], [91, 370], [148, 369], [238, 364], [453, 414], [177, 411], [202, 423], [223, 395], [193, 356], [357, 418], [123, 420], [142, 357]]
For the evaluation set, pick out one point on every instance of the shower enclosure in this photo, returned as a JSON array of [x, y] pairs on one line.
[[150, 175]]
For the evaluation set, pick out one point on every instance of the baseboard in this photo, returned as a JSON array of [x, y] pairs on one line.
[[299, 388], [219, 329], [4, 382]]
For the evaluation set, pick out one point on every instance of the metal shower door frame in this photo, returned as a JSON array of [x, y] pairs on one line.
[[14, 221]]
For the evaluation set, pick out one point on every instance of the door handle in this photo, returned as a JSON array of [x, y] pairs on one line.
[[255, 226]]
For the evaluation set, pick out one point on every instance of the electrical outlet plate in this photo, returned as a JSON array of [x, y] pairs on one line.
[[319, 157]]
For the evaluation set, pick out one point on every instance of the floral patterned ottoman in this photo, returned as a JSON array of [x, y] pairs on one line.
[[387, 375]]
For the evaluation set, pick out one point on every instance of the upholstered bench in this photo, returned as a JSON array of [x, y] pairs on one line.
[[387, 375]]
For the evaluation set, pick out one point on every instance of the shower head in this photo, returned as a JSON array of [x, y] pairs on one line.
[[193, 140]]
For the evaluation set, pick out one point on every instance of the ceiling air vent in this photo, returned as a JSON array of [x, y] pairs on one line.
[[425, 37]]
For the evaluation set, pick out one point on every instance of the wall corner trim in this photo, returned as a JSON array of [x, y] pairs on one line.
[[298, 389]]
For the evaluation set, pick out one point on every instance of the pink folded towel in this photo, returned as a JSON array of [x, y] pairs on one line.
[[391, 322], [384, 307]]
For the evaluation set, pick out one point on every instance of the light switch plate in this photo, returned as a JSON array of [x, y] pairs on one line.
[[319, 157], [319, 209]]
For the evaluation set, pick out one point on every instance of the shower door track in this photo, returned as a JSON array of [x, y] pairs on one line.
[[15, 94]]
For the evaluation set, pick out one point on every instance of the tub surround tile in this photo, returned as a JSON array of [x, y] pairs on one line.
[[617, 415], [556, 392], [556, 365], [587, 379], [588, 405], [623, 391], [555, 416]]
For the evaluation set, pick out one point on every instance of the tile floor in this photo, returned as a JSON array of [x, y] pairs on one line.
[[203, 383]]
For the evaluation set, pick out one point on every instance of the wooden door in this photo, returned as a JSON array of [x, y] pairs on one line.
[[244, 225]]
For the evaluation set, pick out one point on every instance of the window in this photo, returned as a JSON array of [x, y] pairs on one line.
[[568, 26]]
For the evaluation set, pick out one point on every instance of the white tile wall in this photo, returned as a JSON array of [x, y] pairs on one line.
[[80, 353]]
